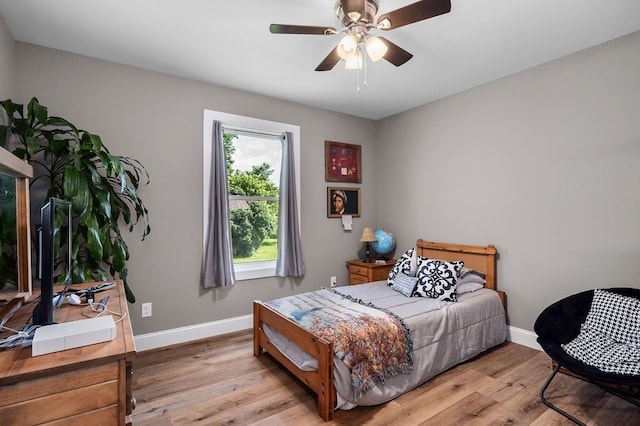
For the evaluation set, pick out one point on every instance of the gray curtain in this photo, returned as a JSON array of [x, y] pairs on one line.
[[218, 262], [290, 262]]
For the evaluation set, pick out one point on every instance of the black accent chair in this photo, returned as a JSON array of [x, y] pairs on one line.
[[560, 323]]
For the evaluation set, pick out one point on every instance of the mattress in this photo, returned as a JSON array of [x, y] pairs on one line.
[[444, 334]]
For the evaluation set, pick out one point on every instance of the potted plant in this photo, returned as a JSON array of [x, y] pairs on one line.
[[74, 165]]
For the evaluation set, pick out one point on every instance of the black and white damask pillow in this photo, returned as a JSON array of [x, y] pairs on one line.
[[403, 264], [437, 279]]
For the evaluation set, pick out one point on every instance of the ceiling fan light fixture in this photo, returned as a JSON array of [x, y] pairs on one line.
[[358, 18], [355, 61], [347, 46], [376, 49]]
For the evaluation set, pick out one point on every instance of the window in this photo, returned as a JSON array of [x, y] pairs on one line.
[[254, 153], [253, 179]]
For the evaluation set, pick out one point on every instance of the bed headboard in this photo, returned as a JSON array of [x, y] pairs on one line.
[[480, 258]]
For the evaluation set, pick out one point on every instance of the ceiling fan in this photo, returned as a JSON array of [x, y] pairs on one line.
[[358, 17]]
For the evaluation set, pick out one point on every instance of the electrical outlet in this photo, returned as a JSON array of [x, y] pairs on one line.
[[333, 281], [146, 310]]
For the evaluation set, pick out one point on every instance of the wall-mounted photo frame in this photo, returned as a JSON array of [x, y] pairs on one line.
[[343, 201], [342, 162]]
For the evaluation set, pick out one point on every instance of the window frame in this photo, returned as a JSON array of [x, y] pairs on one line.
[[252, 270]]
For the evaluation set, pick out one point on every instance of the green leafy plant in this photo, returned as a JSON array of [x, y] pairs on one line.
[[74, 165]]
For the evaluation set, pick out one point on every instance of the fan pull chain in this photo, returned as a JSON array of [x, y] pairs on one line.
[[364, 64], [364, 59]]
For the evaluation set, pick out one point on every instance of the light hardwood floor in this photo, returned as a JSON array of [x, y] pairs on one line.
[[218, 381]]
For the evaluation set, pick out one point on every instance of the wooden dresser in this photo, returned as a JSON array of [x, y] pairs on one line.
[[90, 385], [361, 272]]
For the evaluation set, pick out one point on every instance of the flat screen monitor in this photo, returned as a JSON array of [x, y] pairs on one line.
[[54, 258]]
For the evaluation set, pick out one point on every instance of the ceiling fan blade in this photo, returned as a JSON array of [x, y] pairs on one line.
[[301, 29], [353, 6], [395, 54], [330, 61], [415, 12]]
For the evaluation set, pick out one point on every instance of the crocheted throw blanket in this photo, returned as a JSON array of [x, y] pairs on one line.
[[372, 342]]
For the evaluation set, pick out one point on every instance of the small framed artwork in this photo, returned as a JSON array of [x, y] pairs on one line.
[[342, 162], [343, 201]]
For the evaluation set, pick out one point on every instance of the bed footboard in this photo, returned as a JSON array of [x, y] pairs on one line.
[[321, 380]]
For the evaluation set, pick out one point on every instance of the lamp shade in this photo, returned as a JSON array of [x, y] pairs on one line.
[[367, 235], [354, 62], [347, 47], [376, 48]]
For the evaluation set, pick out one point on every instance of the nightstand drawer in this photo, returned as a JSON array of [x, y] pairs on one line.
[[358, 279], [358, 270]]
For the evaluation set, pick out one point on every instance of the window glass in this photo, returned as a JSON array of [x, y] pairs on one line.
[[253, 175]]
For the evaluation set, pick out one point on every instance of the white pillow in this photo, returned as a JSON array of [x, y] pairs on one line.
[[468, 287], [468, 271], [471, 278]]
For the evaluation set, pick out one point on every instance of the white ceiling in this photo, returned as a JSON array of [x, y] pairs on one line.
[[227, 42]]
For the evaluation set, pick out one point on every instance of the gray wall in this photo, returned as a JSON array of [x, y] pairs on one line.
[[7, 68], [157, 119], [544, 164]]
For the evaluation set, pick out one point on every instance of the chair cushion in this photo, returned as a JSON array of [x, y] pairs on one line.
[[606, 354], [560, 323], [609, 338]]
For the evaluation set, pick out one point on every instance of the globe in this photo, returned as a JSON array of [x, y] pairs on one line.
[[384, 242]]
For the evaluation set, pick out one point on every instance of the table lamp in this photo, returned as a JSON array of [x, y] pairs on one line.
[[367, 237]]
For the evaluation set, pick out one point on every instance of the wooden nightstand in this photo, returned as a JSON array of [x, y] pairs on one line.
[[361, 272]]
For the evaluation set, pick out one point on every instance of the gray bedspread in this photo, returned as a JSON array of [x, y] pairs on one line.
[[444, 334]]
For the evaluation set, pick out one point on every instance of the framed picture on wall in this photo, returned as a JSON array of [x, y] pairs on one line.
[[342, 162], [343, 201]]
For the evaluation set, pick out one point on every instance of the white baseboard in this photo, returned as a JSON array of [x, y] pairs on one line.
[[523, 337], [174, 336]]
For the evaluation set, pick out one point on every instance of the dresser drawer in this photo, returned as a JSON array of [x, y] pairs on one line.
[[64, 395]]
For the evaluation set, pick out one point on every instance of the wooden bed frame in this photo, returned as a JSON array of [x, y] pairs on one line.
[[480, 258]]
